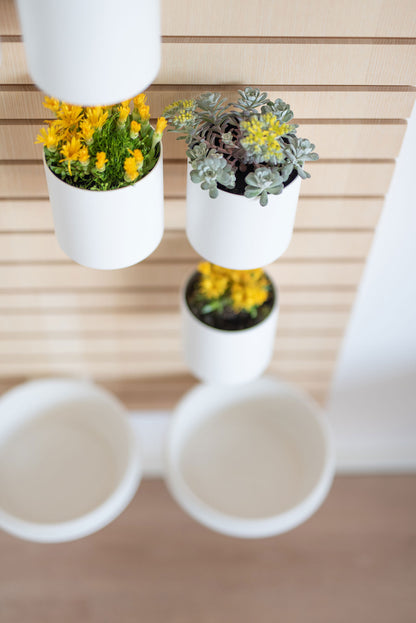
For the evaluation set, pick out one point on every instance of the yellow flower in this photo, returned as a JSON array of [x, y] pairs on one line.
[[138, 156], [139, 100], [161, 125], [144, 112], [130, 167], [84, 156], [87, 131], [123, 113], [70, 150], [96, 116], [100, 161], [204, 268], [247, 297], [49, 138], [134, 129], [126, 103], [69, 115], [52, 103], [213, 287]]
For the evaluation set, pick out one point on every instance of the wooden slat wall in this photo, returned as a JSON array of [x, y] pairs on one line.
[[347, 68]]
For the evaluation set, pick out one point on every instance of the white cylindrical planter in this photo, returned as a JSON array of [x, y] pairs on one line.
[[91, 53], [226, 357], [69, 462], [235, 232], [251, 461], [108, 229]]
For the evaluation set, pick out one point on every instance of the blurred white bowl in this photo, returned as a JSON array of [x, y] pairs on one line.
[[249, 461], [69, 463]]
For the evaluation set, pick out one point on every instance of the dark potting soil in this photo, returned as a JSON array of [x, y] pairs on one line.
[[228, 320], [240, 183]]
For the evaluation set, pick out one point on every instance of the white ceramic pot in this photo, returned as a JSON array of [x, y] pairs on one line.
[[91, 53], [235, 232], [252, 461], [69, 463], [227, 357], [108, 229]]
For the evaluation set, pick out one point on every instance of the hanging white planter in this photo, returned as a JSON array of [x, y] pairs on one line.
[[108, 229], [235, 232], [226, 357], [91, 53], [249, 461]]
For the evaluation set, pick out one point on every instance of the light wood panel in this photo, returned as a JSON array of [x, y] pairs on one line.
[[19, 102], [350, 178], [374, 18], [363, 140], [345, 68], [155, 322], [119, 366], [155, 298], [41, 247], [50, 276], [229, 62], [287, 346], [313, 213]]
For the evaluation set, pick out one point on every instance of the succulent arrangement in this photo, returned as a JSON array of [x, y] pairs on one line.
[[248, 147], [229, 299], [101, 148]]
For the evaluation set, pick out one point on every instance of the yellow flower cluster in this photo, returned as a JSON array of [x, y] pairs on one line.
[[243, 289], [261, 136], [180, 113], [76, 130], [133, 165]]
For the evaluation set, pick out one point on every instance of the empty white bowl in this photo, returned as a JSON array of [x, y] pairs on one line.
[[249, 461], [69, 463]]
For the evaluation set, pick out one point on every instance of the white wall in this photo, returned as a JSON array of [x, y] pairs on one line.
[[373, 400]]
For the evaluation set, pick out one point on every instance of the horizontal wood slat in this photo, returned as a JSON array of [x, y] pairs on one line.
[[378, 140], [155, 298], [319, 213], [40, 247], [155, 323], [374, 18], [328, 178], [255, 63], [119, 367], [287, 347], [313, 102], [52, 276]]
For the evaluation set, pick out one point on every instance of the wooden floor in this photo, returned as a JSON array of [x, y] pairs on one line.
[[353, 562]]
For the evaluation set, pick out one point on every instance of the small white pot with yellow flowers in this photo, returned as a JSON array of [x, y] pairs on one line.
[[244, 173], [91, 52], [229, 320], [104, 173]]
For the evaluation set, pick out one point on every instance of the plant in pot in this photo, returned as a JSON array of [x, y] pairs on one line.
[[229, 320], [105, 179], [91, 53], [245, 164]]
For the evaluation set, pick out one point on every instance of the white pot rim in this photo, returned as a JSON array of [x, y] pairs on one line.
[[102, 514], [113, 190], [235, 526], [276, 302]]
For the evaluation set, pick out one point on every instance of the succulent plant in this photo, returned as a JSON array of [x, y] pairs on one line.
[[250, 140], [212, 170], [263, 181]]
